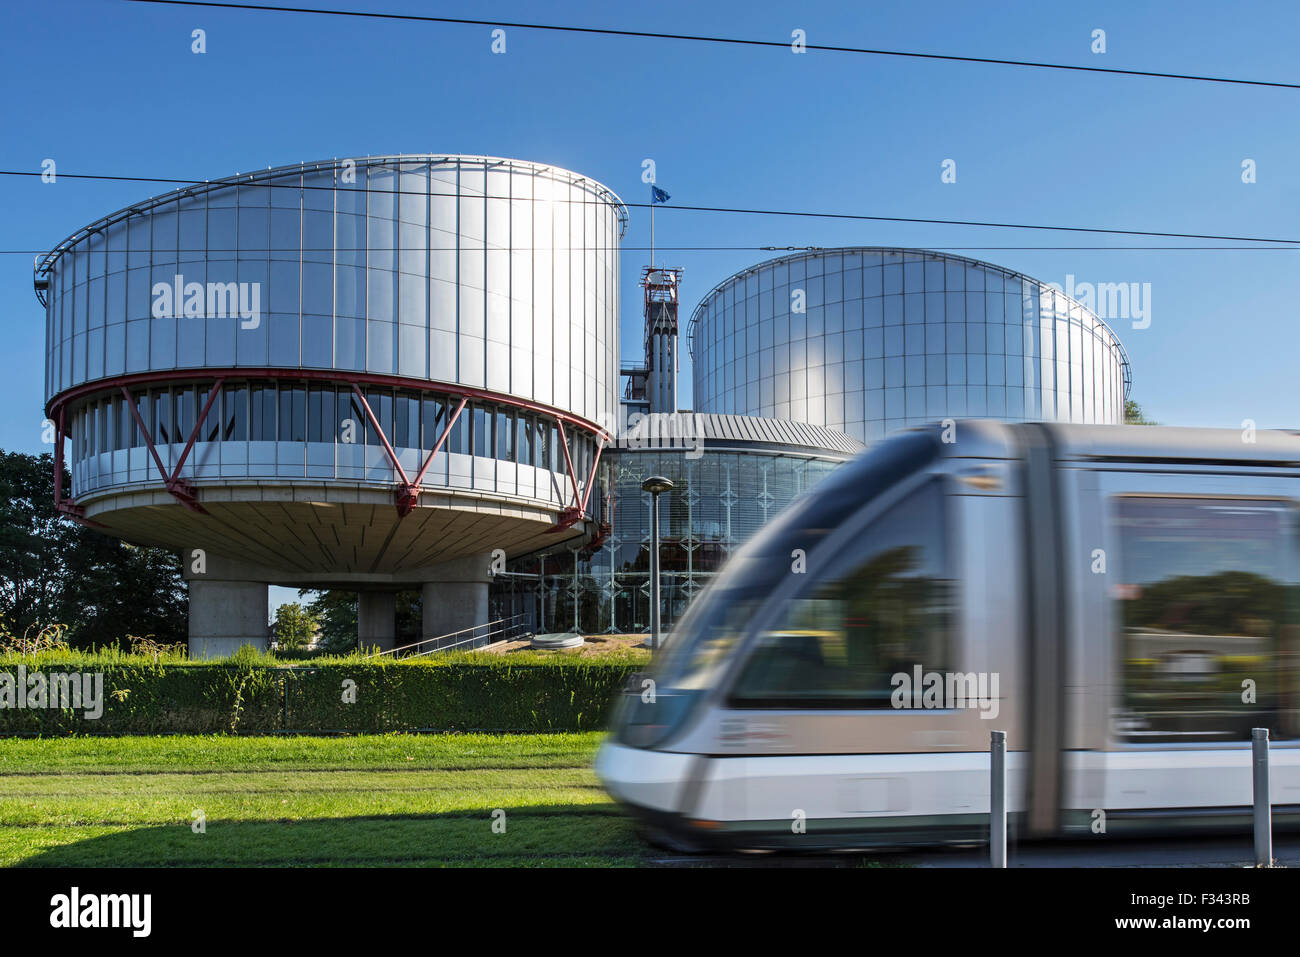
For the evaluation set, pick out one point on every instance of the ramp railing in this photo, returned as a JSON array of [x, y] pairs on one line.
[[514, 628]]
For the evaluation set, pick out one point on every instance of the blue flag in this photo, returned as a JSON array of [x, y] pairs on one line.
[[657, 195]]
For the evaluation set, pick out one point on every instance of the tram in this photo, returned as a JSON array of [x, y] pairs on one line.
[[1122, 601]]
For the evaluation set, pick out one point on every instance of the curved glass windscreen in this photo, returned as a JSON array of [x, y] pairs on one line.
[[699, 649], [883, 611]]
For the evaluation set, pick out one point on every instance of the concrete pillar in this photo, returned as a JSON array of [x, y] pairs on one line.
[[377, 620], [225, 615], [455, 596]]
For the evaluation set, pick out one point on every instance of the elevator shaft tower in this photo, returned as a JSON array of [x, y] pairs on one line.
[[661, 286]]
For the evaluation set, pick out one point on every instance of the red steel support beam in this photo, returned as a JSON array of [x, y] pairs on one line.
[[568, 461], [198, 426], [591, 477], [407, 495], [179, 489], [438, 445], [65, 506], [392, 456], [144, 430]]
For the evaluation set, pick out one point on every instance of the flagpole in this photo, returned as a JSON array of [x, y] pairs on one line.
[[652, 225]]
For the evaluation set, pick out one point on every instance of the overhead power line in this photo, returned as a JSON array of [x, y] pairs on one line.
[[623, 247], [735, 210], [733, 41]]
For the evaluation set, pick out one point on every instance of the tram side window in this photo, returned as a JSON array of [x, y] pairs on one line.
[[886, 611], [1206, 607]]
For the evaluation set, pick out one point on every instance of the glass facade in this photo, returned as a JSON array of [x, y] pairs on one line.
[[492, 274], [319, 430], [720, 499], [867, 340]]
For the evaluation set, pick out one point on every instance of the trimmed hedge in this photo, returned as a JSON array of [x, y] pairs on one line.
[[239, 697]]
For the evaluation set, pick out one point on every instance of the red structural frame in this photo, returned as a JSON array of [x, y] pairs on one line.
[[407, 496]]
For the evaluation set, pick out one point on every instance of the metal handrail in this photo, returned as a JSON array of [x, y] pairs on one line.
[[516, 626]]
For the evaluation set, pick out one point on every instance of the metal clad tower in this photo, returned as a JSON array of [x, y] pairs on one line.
[[367, 373], [660, 287]]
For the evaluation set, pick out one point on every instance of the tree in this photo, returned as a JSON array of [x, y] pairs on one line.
[[54, 571], [294, 627], [336, 612], [33, 540], [1133, 414]]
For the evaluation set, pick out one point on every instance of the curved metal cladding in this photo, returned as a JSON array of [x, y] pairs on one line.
[[306, 334], [867, 340]]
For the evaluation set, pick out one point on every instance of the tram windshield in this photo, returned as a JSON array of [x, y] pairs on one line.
[[698, 649]]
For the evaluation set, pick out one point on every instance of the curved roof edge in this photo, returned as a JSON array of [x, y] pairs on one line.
[[46, 262], [818, 252], [673, 431]]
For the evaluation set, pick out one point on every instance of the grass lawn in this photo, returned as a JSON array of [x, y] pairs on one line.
[[419, 800]]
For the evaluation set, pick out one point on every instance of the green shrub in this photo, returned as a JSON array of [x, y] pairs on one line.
[[250, 693]]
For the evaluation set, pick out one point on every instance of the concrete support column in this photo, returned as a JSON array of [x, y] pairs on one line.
[[455, 596], [225, 615], [377, 620]]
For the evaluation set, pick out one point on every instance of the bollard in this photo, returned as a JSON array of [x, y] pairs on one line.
[[998, 799], [1263, 808]]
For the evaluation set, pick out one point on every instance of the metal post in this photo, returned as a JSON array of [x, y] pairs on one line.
[[1263, 807], [998, 799], [654, 570], [655, 485]]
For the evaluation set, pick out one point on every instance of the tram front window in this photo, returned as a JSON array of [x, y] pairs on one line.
[[701, 647], [880, 610]]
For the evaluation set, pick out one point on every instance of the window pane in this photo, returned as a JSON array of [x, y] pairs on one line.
[[504, 433], [298, 414], [320, 413], [481, 444], [352, 423], [523, 440], [845, 638], [263, 414], [402, 426], [381, 407], [144, 405], [162, 426], [432, 421], [458, 441], [211, 431], [234, 404], [1206, 603], [125, 426]]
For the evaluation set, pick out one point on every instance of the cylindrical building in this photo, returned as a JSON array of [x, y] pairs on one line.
[[866, 340], [358, 373]]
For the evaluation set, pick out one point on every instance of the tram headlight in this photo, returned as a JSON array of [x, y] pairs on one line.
[[646, 720]]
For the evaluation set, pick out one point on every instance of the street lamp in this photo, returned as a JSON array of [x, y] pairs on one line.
[[655, 484]]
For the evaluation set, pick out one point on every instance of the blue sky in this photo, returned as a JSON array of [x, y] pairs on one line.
[[112, 88]]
